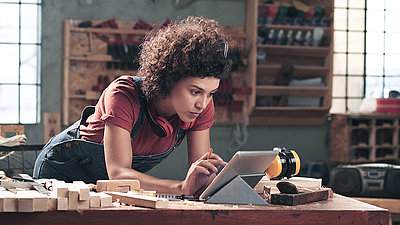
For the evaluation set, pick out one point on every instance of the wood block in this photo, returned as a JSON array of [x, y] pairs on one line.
[[94, 201], [300, 198], [301, 182], [62, 203], [140, 200], [32, 201], [105, 200], [73, 197], [12, 129], [52, 203], [1, 201], [60, 188], [52, 125], [83, 190], [10, 202], [117, 185], [83, 204]]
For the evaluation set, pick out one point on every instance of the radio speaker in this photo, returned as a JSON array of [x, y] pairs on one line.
[[392, 182], [369, 180], [346, 181]]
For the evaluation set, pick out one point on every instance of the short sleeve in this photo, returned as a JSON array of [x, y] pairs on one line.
[[120, 104]]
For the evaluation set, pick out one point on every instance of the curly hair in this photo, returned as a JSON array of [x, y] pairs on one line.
[[193, 47]]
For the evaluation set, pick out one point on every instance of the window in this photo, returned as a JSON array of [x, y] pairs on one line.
[[366, 53], [20, 41]]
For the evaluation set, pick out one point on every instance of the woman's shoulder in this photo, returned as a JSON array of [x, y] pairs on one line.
[[124, 83]]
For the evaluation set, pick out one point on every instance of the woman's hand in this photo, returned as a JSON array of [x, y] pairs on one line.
[[197, 178]]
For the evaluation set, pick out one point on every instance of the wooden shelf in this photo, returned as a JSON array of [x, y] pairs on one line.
[[376, 146], [288, 115], [141, 32], [295, 50], [94, 58], [292, 27], [312, 67], [273, 90], [299, 71]]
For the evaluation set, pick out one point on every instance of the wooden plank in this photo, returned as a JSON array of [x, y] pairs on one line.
[[66, 55], [393, 205], [301, 198], [140, 200], [301, 182], [251, 15], [117, 185]]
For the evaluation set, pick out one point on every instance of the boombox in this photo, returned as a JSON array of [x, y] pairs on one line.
[[368, 180]]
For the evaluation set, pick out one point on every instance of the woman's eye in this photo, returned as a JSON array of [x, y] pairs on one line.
[[195, 92], [212, 93]]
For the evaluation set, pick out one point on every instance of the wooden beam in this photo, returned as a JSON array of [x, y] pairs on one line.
[[140, 200], [117, 185], [32, 201]]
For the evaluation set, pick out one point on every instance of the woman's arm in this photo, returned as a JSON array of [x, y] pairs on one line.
[[198, 143], [118, 157]]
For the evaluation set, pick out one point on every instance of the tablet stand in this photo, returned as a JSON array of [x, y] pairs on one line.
[[239, 191]]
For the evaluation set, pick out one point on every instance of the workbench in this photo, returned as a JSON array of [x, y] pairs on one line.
[[337, 210]]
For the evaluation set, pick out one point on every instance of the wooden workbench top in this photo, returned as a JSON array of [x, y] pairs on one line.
[[338, 210]]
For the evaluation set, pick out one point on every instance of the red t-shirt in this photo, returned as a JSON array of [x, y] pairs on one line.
[[119, 105]]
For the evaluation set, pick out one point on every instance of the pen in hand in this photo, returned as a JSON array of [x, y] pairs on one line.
[[209, 153]]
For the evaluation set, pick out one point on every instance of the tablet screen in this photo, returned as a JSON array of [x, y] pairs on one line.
[[242, 163]]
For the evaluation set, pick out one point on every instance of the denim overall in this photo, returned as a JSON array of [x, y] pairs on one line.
[[67, 157]]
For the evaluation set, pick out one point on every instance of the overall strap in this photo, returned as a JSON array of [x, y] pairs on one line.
[[142, 101]]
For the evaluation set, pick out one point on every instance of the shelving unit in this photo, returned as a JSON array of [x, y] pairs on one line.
[[273, 103], [85, 61], [360, 138]]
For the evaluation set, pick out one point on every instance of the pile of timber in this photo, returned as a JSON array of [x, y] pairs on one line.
[[78, 195], [64, 196]]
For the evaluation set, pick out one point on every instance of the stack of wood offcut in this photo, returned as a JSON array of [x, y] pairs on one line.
[[78, 195]]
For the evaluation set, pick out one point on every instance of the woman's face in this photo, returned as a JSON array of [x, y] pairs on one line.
[[191, 96]]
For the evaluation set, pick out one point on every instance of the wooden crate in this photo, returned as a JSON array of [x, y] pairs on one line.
[[361, 138]]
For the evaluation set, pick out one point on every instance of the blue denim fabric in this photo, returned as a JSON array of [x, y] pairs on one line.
[[67, 157]]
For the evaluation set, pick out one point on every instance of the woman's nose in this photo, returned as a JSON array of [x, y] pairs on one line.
[[202, 102]]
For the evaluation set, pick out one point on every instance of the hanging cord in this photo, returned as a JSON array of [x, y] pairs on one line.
[[239, 137]]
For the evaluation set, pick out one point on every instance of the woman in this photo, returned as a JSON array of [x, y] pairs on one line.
[[138, 121]]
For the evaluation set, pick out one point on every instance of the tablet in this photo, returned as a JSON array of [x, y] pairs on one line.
[[242, 163]]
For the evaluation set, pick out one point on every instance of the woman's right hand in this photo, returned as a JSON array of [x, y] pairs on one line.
[[200, 173]]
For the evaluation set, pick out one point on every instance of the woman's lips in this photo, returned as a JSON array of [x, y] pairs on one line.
[[194, 114]]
